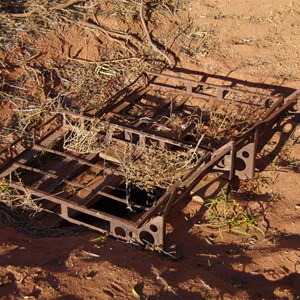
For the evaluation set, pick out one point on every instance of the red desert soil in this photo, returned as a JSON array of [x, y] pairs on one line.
[[253, 40]]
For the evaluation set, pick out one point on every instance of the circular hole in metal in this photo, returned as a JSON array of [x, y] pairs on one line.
[[267, 103], [245, 154], [240, 165], [119, 231], [146, 237], [153, 228]]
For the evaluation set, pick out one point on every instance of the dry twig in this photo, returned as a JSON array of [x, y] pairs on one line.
[[166, 285]]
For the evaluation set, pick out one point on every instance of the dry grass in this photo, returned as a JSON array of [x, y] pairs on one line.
[[122, 56], [86, 138], [31, 114], [149, 168], [227, 123], [14, 199], [156, 168]]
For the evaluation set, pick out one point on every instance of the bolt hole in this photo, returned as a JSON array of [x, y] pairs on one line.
[[119, 231], [146, 237], [153, 228], [245, 154], [240, 164]]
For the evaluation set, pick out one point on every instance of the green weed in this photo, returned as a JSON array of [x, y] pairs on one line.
[[225, 214]]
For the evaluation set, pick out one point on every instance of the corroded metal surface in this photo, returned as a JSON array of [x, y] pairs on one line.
[[88, 189]]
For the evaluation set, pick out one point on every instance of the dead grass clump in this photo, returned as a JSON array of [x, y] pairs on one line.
[[233, 117], [31, 114], [14, 199], [179, 123], [157, 168], [86, 138], [97, 81], [220, 126]]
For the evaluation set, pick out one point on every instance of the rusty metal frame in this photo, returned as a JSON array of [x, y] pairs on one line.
[[150, 221]]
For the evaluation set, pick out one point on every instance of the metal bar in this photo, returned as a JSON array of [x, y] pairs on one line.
[[77, 222], [214, 159], [164, 198], [69, 204], [153, 113], [287, 102], [175, 107], [274, 111], [153, 136], [185, 91], [134, 96], [205, 96], [159, 205], [72, 169], [196, 176], [69, 156], [211, 85], [170, 202], [107, 183], [232, 159]]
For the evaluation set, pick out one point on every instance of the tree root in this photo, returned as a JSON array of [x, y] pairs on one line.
[[155, 48]]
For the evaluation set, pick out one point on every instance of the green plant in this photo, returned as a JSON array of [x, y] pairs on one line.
[[225, 214]]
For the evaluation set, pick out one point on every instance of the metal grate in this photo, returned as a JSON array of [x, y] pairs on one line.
[[223, 123]]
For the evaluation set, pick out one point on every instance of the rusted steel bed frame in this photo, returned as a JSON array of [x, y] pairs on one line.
[[150, 221]]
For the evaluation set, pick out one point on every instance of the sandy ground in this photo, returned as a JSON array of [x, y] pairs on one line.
[[254, 40]]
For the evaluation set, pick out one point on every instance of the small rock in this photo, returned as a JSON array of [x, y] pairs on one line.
[[297, 206]]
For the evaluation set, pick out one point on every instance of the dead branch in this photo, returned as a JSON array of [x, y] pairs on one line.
[[86, 61], [105, 30], [119, 34], [164, 282], [155, 48]]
